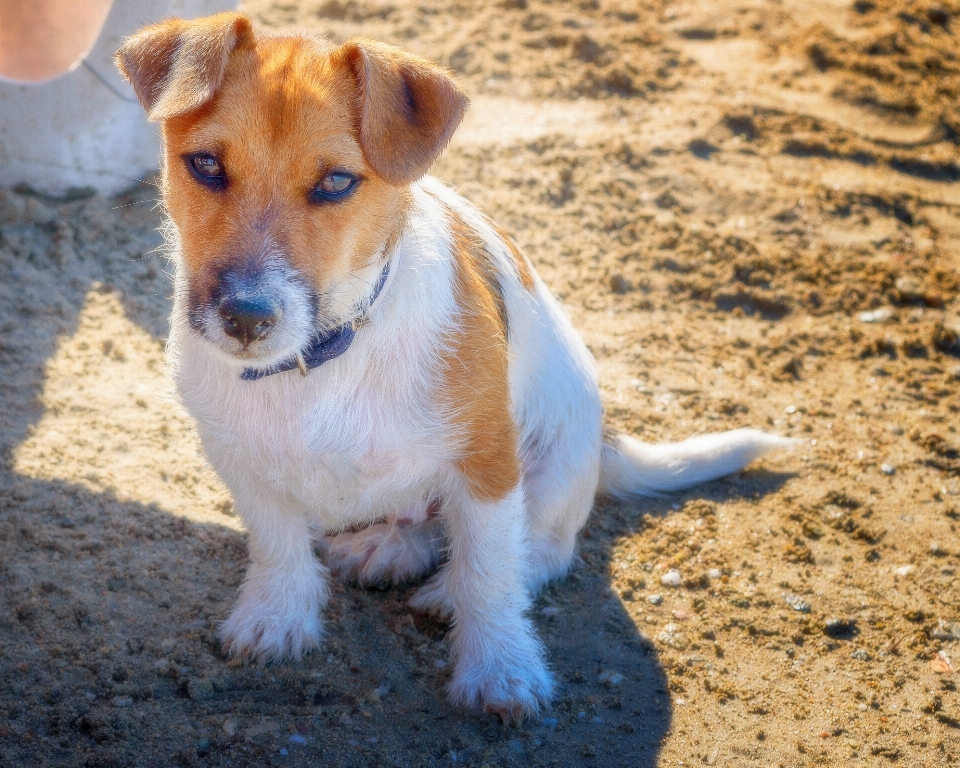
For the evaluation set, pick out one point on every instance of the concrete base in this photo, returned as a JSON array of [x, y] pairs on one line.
[[85, 128]]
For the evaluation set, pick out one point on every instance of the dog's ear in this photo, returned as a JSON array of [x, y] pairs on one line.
[[409, 108], [176, 66]]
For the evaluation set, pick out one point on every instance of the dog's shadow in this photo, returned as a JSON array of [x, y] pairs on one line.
[[109, 651]]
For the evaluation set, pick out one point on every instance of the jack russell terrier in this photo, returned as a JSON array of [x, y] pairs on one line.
[[375, 368]]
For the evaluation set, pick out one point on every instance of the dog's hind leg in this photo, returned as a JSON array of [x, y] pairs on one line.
[[559, 487], [404, 548]]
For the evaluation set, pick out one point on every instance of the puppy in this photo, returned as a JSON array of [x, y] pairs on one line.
[[372, 363]]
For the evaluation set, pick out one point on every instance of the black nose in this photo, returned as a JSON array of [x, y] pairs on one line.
[[249, 319]]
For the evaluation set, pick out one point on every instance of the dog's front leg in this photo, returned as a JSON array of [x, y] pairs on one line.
[[278, 612], [498, 661]]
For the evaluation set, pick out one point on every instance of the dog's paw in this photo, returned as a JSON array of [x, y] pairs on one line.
[[274, 619], [432, 598], [384, 553], [509, 679]]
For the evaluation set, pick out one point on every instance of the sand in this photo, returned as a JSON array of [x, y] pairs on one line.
[[752, 213]]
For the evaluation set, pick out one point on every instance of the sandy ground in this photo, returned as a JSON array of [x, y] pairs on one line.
[[752, 211]]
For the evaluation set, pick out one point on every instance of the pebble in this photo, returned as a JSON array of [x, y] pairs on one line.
[[714, 573], [610, 678], [296, 738], [671, 578], [910, 289], [840, 629], [200, 689], [619, 284], [860, 655], [549, 722], [904, 570], [261, 729], [162, 667], [672, 636], [440, 664], [229, 726], [515, 747], [946, 631], [935, 548], [122, 701], [549, 612], [881, 315], [379, 693], [888, 469], [797, 603], [655, 599], [284, 752]]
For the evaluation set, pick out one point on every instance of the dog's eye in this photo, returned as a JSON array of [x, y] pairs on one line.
[[336, 185], [207, 170]]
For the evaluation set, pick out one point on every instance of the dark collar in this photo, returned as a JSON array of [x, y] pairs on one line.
[[324, 347]]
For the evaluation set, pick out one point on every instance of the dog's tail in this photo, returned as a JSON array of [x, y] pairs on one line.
[[630, 468]]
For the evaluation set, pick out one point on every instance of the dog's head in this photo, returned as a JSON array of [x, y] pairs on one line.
[[286, 166]]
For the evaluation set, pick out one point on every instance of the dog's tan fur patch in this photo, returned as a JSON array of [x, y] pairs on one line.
[[519, 259], [475, 380]]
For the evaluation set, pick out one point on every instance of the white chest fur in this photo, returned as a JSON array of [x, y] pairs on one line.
[[357, 438]]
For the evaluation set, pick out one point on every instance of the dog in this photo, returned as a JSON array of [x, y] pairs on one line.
[[375, 368]]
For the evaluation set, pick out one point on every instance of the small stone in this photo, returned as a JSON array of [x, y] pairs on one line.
[[261, 729], [840, 629], [379, 693], [714, 573], [671, 578], [860, 655], [881, 315], [946, 631], [122, 701], [549, 722], [935, 549], [200, 689], [515, 747], [440, 664], [229, 726], [797, 603], [888, 469], [284, 752], [296, 738], [619, 284], [610, 678], [672, 636], [655, 599], [904, 570], [162, 667], [549, 612], [910, 289]]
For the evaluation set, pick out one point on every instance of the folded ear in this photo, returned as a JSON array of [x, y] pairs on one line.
[[176, 66], [409, 108]]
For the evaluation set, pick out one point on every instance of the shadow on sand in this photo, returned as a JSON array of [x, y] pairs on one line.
[[108, 653]]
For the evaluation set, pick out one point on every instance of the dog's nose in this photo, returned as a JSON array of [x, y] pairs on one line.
[[248, 319]]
